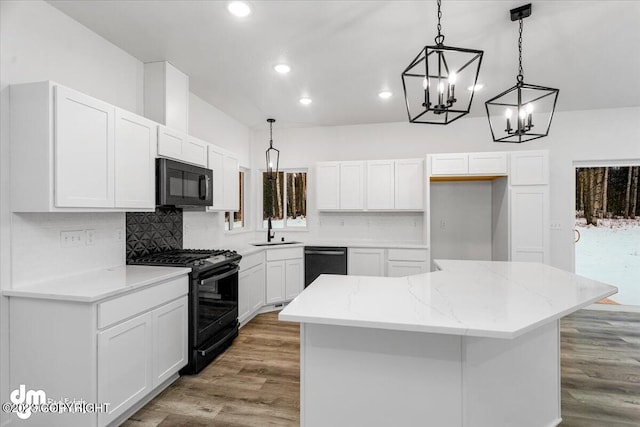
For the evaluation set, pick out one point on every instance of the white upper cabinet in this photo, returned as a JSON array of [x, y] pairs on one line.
[[72, 152], [178, 145], [135, 153], [530, 168], [352, 185], [328, 186], [225, 167], [488, 163], [409, 184], [84, 150], [380, 184], [450, 164]]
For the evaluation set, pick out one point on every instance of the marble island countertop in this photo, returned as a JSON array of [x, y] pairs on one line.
[[470, 298], [97, 285]]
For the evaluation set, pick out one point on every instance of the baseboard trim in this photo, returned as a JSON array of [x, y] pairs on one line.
[[614, 307], [555, 422]]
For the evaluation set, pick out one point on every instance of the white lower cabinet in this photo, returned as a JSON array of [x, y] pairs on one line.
[[115, 351], [366, 262], [251, 292], [285, 274]]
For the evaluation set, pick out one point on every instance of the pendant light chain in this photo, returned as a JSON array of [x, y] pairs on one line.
[[271, 134], [520, 72], [439, 38]]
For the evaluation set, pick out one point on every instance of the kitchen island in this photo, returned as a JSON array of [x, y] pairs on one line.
[[473, 345]]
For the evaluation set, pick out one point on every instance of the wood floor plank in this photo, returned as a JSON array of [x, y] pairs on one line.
[[256, 382]]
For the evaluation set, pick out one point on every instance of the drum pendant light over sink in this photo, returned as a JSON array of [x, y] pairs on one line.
[[523, 112], [430, 81], [273, 155]]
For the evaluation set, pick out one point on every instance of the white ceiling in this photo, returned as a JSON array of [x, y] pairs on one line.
[[344, 52]]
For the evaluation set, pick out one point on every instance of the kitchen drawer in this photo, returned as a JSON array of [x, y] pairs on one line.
[[285, 253], [407, 254], [118, 309], [249, 261]]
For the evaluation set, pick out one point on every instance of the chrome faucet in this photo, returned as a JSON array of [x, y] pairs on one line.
[[270, 235]]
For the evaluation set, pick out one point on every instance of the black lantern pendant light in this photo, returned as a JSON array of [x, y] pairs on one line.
[[430, 81], [523, 112], [273, 155]]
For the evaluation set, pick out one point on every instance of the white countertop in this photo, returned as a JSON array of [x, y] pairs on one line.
[[97, 285], [248, 249], [471, 298]]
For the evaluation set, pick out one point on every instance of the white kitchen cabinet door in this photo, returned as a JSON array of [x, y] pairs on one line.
[[406, 268], [195, 151], [365, 262], [409, 184], [84, 150], [328, 185], [530, 223], [244, 294], [231, 183], [136, 141], [352, 178], [170, 339], [257, 296], [529, 168], [380, 184], [216, 164], [488, 163], [125, 364], [450, 164], [182, 147], [276, 274], [293, 278]]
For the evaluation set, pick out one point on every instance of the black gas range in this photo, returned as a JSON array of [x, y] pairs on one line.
[[213, 299]]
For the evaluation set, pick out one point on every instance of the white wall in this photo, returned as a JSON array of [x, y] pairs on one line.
[[577, 135]]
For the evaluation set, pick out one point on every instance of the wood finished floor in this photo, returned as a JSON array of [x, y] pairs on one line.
[[256, 382]]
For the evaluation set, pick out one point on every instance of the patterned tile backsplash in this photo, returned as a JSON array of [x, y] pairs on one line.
[[153, 232]]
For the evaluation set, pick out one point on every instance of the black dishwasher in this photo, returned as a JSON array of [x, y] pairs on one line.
[[323, 260]]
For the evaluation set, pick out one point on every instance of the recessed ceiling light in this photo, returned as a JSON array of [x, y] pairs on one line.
[[241, 9], [385, 94], [475, 88], [282, 68], [305, 101]]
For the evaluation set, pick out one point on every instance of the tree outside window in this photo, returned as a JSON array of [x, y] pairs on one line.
[[238, 216], [284, 199]]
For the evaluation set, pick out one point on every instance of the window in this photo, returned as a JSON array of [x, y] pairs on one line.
[[285, 200], [239, 215]]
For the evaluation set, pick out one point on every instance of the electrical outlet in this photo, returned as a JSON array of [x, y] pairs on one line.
[[119, 234], [71, 238], [90, 237], [555, 225], [443, 224]]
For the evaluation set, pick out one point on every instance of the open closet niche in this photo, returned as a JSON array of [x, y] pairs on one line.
[[469, 218]]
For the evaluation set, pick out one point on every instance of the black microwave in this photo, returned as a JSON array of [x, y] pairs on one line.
[[181, 184]]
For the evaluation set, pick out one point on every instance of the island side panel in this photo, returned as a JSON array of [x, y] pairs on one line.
[[362, 376], [512, 382]]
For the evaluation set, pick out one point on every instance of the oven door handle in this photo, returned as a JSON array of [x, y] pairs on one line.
[[218, 343], [220, 276]]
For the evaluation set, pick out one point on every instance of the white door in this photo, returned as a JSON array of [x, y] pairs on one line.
[[488, 163], [170, 143], [328, 186], [244, 294], [136, 141], [293, 278], [195, 151], [275, 282], [530, 223], [409, 184], [216, 163], [406, 268], [257, 287], [380, 184], [450, 164], [529, 168], [124, 365], [170, 339], [365, 262], [352, 185], [231, 183], [84, 150]]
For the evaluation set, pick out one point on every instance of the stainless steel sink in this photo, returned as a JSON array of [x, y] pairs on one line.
[[289, 242]]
